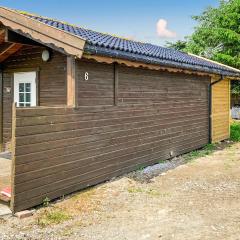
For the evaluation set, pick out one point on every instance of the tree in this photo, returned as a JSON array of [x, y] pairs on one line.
[[178, 45], [217, 35]]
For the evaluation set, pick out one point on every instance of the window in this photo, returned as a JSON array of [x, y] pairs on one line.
[[25, 89]]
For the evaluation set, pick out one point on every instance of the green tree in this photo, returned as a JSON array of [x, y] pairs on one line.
[[217, 35], [178, 45]]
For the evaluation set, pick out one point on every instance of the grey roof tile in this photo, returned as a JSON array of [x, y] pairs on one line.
[[106, 44]]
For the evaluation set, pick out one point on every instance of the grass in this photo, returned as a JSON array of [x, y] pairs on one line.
[[235, 131], [54, 216], [135, 190], [208, 149]]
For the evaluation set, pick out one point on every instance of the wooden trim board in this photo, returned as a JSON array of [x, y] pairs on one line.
[[71, 82], [129, 63]]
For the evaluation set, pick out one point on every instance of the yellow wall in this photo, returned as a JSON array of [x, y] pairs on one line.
[[220, 110]]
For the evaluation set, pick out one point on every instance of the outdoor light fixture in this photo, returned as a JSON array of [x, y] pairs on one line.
[[45, 55]]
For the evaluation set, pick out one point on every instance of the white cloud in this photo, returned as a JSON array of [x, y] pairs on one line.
[[162, 30]]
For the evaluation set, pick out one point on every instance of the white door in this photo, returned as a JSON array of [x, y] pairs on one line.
[[25, 89]]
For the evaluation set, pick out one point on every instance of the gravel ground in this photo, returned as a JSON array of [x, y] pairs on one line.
[[197, 200]]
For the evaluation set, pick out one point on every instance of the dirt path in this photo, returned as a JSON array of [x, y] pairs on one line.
[[198, 200]]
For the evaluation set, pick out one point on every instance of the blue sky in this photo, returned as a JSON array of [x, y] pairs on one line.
[[127, 18]]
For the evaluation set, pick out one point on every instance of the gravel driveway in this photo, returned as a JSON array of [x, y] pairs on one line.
[[197, 200]]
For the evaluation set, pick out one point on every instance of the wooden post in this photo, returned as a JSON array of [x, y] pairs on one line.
[[1, 110], [72, 99], [115, 84], [13, 148]]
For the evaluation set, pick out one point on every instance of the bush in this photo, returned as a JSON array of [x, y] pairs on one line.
[[235, 131]]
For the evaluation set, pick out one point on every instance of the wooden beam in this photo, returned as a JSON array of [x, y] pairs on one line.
[[2, 35], [13, 151], [72, 98], [52, 37], [8, 49], [1, 110], [13, 37]]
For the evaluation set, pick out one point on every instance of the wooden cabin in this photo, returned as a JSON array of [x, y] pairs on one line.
[[79, 107]]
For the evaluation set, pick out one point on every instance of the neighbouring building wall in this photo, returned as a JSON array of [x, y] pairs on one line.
[[51, 81], [220, 110], [61, 150]]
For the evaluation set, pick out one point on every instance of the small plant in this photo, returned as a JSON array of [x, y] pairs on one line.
[[140, 168], [153, 192], [161, 161], [235, 131], [46, 202], [53, 217], [206, 150]]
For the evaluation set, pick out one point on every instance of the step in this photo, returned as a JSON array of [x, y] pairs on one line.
[[5, 194]]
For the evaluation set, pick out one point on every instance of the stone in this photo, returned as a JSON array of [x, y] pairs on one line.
[[24, 214]]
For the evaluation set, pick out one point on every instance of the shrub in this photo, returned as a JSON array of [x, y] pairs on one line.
[[235, 131]]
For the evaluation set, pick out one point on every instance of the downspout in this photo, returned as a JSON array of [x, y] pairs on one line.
[[210, 107]]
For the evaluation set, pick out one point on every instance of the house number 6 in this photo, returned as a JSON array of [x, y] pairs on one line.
[[86, 76]]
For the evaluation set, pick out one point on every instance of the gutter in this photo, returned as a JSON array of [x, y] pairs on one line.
[[210, 107]]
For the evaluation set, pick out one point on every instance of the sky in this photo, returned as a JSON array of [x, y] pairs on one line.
[[154, 21]]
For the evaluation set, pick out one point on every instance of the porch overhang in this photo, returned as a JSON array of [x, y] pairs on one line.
[[49, 36]]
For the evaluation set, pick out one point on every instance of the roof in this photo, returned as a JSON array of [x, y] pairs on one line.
[[107, 45]]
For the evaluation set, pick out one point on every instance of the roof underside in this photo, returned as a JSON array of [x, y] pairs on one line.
[[111, 46]]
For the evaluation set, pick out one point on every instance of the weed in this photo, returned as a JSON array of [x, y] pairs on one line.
[[161, 161], [153, 192], [46, 202], [206, 150], [235, 131], [140, 168], [50, 217], [135, 190]]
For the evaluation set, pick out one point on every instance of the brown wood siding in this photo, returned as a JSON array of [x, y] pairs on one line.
[[98, 89], [61, 150], [52, 80], [139, 86]]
